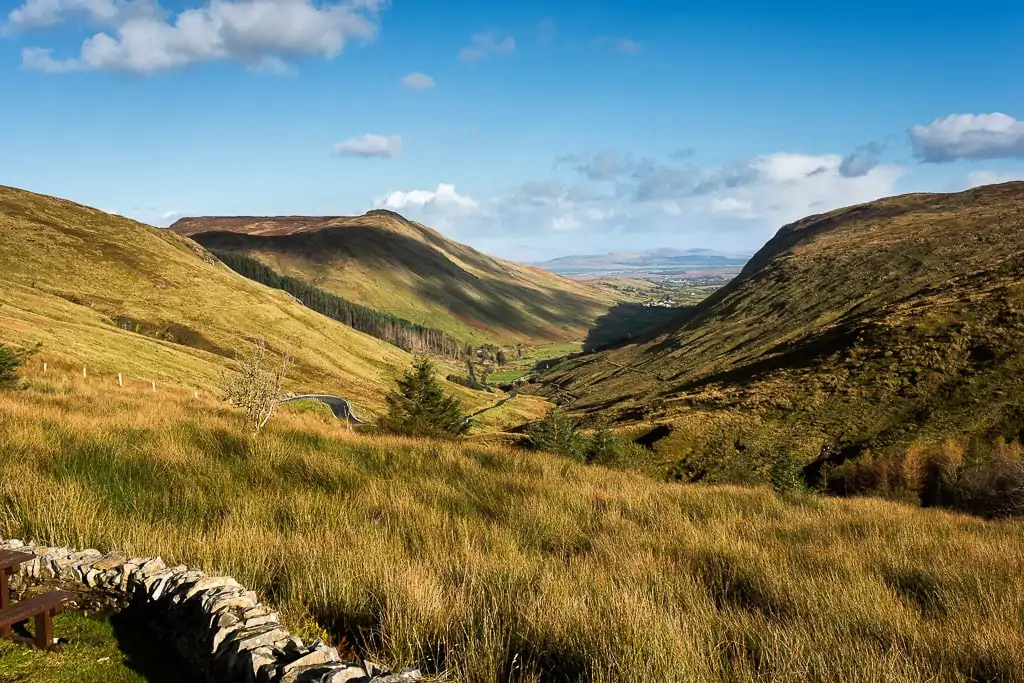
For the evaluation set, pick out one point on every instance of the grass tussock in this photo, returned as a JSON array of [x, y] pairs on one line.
[[492, 564]]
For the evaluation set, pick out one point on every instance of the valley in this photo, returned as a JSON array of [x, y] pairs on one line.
[[864, 344], [359, 341]]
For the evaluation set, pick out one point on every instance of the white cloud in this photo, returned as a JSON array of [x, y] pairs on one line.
[[370, 145], [41, 59], [671, 208], [735, 206], [167, 215], [487, 44], [731, 206], [748, 199], [979, 178], [418, 81], [443, 198], [968, 136], [144, 37], [566, 222], [625, 45], [43, 13]]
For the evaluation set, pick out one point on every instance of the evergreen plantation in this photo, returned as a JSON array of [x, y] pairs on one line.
[[402, 333]]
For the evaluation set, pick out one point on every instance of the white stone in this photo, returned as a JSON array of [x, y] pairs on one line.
[[344, 674], [209, 583]]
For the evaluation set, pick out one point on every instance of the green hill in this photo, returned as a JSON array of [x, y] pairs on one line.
[[119, 296], [876, 327], [384, 261]]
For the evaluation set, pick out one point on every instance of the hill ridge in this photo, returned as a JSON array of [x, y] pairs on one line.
[[872, 326], [382, 260]]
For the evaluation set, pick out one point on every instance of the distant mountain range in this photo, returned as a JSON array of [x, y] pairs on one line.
[[653, 259]]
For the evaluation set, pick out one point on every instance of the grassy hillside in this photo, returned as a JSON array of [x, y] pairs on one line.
[[874, 327], [118, 296], [468, 559], [386, 262]]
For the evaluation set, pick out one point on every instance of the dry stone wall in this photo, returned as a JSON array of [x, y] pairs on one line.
[[219, 627]]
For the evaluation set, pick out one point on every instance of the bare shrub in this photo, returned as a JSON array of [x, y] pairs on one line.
[[256, 384]]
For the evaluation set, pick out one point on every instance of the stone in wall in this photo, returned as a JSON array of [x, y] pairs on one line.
[[219, 627]]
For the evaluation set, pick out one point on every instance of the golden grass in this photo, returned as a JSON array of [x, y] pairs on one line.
[[493, 564], [70, 273]]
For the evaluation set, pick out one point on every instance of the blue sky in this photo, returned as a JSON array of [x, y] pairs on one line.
[[527, 129]]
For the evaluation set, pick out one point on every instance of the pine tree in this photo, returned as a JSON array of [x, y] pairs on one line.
[[603, 447], [10, 361], [557, 433], [419, 406]]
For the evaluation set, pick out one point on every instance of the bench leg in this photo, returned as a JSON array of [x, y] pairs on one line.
[[5, 600], [44, 630]]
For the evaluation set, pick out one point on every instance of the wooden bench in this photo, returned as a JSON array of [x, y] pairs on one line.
[[42, 607]]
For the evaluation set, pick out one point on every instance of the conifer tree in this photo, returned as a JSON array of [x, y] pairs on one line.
[[557, 433], [419, 406], [604, 446], [10, 361]]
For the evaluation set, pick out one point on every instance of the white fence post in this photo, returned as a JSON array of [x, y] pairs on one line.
[[84, 373], [154, 386], [120, 382], [44, 368]]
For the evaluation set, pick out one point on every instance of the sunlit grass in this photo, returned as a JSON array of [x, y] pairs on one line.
[[495, 564]]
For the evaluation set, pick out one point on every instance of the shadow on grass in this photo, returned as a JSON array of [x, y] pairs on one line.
[[628, 323], [147, 651]]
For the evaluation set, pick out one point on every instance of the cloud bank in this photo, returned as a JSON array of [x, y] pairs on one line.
[[143, 36], [609, 197], [968, 136]]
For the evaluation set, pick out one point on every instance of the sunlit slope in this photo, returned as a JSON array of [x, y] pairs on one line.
[[382, 260], [119, 296], [868, 326]]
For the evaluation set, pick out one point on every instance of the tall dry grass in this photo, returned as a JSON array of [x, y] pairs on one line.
[[495, 565]]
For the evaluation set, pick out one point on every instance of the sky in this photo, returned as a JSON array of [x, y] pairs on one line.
[[528, 129]]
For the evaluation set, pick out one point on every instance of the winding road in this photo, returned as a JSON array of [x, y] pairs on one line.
[[341, 407], [512, 394]]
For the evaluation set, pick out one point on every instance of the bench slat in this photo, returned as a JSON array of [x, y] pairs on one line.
[[26, 609], [13, 558]]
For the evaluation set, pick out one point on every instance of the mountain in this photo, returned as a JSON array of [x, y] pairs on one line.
[[871, 328], [119, 296], [654, 259], [382, 260]]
